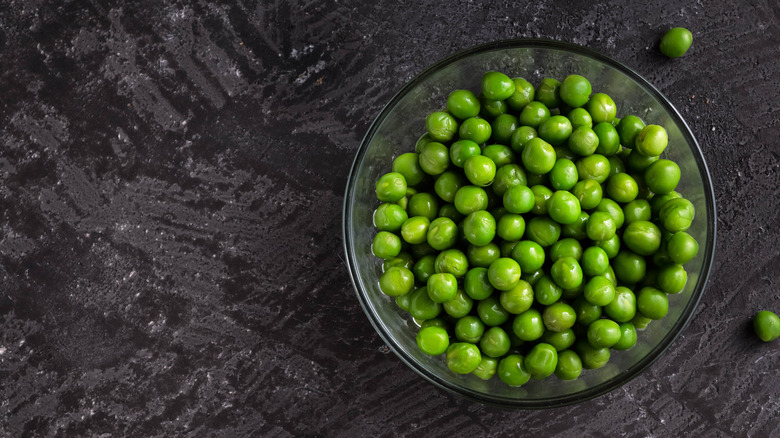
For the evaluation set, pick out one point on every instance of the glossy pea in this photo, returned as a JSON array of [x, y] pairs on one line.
[[463, 357], [676, 42]]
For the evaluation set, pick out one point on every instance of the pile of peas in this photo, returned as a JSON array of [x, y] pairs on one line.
[[532, 232]]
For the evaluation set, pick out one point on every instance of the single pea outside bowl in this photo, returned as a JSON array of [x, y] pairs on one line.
[[395, 131]]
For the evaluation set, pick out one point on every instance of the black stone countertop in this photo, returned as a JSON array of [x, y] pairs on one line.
[[171, 187]]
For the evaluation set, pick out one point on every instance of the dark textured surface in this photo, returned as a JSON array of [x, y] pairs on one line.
[[171, 184]]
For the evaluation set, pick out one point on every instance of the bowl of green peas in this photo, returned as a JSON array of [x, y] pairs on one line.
[[529, 223]]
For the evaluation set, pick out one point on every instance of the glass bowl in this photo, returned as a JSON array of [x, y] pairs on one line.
[[396, 130]]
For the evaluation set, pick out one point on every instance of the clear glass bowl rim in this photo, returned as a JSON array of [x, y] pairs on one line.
[[588, 393]]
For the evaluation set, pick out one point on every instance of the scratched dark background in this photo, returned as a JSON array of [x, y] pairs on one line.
[[171, 186]]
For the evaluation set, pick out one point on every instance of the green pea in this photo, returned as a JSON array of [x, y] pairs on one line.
[[477, 284], [523, 95], [423, 268], [682, 247], [462, 150], [486, 369], [507, 176], [595, 167], [555, 130], [575, 91], [511, 227], [662, 176], [559, 317], [652, 303], [389, 217], [518, 299], [480, 170], [495, 342], [463, 104], [452, 261], [469, 199], [622, 308], [566, 272], [396, 281], [580, 117], [538, 156], [636, 162], [423, 204], [434, 158], [408, 165], [569, 365], [563, 175], [622, 187], [672, 278], [528, 326], [599, 291], [641, 322], [433, 341], [628, 128], [490, 109], [479, 228], [676, 215], [627, 337], [630, 268], [611, 246], [503, 126], [548, 92], [519, 199], [766, 325], [576, 230], [475, 129], [583, 141], [415, 229], [616, 165], [529, 255], [559, 340], [463, 357], [541, 195], [520, 137], [403, 259], [504, 273], [391, 187], [547, 291], [602, 108], [449, 211], [459, 306], [442, 287], [568, 247], [609, 206], [511, 370], [482, 256], [675, 42], [497, 86], [651, 141], [563, 207], [441, 126], [592, 358], [469, 329], [609, 140], [642, 237], [500, 154], [603, 333], [421, 306], [533, 114], [600, 226], [637, 210], [595, 261], [541, 361], [542, 230], [386, 245], [586, 312]]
